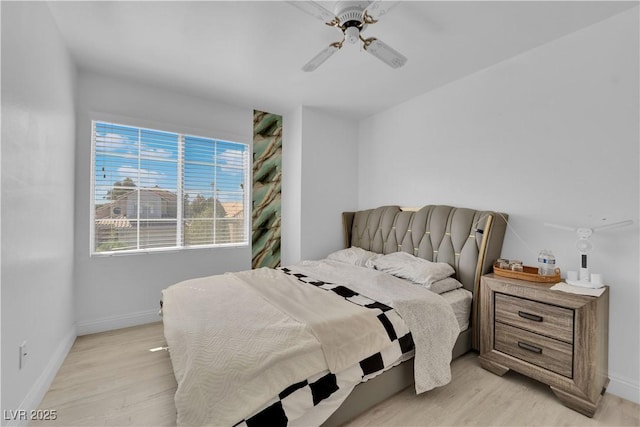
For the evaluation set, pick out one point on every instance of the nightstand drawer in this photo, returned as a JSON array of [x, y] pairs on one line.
[[550, 320], [550, 354]]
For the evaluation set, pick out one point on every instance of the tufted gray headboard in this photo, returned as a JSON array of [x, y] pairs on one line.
[[467, 239]]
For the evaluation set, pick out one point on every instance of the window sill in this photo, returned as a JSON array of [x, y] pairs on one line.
[[166, 250]]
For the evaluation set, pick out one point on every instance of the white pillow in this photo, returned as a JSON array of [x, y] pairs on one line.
[[444, 285], [409, 267], [354, 256]]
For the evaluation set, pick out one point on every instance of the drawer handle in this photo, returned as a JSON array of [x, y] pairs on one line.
[[530, 316], [529, 347]]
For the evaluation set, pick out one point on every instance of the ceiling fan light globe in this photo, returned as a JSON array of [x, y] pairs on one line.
[[352, 35]]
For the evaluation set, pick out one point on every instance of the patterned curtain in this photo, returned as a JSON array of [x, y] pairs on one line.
[[267, 178]]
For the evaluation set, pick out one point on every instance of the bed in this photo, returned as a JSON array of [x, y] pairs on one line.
[[321, 341]]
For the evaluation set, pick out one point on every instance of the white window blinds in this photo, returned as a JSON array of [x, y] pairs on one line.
[[163, 190]]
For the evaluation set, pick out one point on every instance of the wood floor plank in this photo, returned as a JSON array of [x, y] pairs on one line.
[[112, 379]]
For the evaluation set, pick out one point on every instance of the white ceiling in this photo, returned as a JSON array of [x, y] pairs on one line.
[[250, 53]]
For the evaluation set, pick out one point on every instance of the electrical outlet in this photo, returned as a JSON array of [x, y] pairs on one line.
[[23, 355]]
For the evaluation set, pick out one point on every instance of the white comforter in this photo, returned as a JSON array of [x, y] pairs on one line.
[[347, 332], [232, 350]]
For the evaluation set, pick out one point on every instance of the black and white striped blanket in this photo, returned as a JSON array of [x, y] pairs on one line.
[[299, 398]]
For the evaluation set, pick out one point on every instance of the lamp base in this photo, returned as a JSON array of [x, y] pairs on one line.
[[584, 284]]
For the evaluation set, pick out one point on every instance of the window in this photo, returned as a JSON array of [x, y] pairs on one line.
[[163, 190]]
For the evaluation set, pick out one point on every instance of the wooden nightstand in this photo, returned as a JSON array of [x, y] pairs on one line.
[[557, 338]]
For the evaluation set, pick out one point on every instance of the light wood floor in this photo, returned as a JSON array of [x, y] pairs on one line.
[[112, 379]]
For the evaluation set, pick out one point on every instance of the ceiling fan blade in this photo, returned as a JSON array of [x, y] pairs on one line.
[[319, 59], [315, 10], [379, 8], [384, 52]]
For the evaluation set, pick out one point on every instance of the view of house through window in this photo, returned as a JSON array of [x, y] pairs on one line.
[[155, 189]]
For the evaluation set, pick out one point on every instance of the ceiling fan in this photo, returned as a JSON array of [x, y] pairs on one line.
[[352, 17]]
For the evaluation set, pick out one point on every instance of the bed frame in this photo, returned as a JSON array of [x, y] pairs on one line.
[[467, 239]]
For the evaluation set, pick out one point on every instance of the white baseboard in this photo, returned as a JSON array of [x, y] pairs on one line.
[[624, 389], [35, 395], [117, 322]]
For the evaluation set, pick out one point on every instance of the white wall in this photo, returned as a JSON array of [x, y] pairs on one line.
[[548, 136], [38, 148], [329, 180], [291, 187], [320, 182], [123, 290]]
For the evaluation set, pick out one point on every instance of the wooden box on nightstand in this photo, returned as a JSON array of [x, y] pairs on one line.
[[557, 338]]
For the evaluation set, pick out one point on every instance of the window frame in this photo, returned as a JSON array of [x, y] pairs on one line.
[[182, 131]]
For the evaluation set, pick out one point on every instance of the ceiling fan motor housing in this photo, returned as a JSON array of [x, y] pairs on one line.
[[349, 13]]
